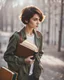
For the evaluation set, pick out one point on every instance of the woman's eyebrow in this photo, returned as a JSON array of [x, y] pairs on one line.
[[37, 18]]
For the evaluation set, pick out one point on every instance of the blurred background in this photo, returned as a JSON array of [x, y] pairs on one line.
[[52, 28]]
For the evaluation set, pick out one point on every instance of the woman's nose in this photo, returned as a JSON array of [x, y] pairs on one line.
[[38, 22]]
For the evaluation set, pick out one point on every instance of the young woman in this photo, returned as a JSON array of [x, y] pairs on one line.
[[27, 68]]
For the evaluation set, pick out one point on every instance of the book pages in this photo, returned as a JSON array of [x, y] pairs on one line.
[[29, 45]]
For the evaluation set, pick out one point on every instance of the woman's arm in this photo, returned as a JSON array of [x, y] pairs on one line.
[[10, 56], [40, 53]]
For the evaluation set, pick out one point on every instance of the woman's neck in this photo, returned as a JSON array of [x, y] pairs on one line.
[[29, 30]]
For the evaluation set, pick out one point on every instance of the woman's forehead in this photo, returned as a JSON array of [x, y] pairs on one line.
[[36, 16]]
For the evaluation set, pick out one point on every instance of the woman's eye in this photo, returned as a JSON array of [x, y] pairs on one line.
[[35, 19]]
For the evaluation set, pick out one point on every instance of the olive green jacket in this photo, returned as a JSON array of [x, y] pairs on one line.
[[18, 64]]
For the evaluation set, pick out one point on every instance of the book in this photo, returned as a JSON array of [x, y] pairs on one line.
[[6, 74], [26, 49]]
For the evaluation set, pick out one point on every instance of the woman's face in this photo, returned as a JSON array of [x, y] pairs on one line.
[[34, 21]]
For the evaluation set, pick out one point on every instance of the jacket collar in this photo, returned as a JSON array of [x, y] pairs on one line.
[[23, 34]]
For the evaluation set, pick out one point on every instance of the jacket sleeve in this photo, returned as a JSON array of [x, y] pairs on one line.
[[10, 56], [41, 47], [40, 53]]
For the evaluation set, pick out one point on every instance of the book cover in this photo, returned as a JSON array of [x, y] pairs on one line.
[[6, 74], [26, 49]]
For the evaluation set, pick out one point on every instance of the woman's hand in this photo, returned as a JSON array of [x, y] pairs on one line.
[[29, 60]]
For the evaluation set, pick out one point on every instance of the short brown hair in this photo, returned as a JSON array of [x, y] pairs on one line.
[[29, 12]]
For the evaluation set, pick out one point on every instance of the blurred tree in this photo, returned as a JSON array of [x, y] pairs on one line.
[[48, 21], [60, 30]]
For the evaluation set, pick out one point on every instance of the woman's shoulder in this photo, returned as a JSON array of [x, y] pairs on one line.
[[15, 35], [39, 33]]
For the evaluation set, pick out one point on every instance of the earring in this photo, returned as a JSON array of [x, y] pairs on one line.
[[26, 21]]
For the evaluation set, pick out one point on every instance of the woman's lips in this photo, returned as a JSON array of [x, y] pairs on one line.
[[36, 26]]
